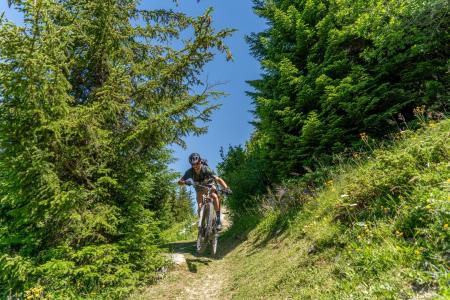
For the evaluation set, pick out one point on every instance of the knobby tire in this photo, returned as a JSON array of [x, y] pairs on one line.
[[207, 231]]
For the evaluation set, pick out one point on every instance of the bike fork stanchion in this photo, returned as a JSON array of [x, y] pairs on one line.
[[200, 216]]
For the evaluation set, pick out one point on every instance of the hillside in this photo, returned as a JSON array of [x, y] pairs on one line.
[[377, 230]]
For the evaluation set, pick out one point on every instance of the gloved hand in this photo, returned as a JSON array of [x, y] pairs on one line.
[[189, 181], [227, 191]]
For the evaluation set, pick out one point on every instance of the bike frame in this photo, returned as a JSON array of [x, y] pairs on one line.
[[206, 234], [206, 198]]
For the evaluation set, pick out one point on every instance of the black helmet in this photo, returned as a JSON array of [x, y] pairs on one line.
[[194, 158]]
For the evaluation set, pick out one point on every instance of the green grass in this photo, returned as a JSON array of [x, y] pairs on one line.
[[183, 231], [377, 230]]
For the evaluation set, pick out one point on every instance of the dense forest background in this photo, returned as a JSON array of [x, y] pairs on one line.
[[337, 76]]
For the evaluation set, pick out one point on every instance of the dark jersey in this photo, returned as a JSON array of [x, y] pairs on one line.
[[205, 176]]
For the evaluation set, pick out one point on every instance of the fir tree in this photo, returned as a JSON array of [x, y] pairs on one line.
[[91, 95], [334, 69]]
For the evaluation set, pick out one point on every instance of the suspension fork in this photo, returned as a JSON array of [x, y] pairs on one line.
[[202, 210]]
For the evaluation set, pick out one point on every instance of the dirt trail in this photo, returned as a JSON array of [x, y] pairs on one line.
[[199, 277]]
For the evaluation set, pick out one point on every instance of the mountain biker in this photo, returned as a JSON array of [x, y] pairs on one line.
[[201, 174]]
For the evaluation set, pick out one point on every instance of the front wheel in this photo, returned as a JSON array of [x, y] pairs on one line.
[[214, 244], [201, 243], [202, 237]]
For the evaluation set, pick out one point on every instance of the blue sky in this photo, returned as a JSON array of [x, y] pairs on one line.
[[229, 125]]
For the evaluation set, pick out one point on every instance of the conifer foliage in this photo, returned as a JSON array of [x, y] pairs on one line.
[[333, 70], [91, 93]]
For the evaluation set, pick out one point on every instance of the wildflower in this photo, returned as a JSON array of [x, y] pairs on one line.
[[34, 293], [419, 110], [364, 137], [329, 182], [445, 226]]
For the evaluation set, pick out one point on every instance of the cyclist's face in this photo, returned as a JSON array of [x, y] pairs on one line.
[[196, 166]]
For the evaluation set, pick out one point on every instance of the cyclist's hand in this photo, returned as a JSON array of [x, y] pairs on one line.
[[227, 191], [189, 181]]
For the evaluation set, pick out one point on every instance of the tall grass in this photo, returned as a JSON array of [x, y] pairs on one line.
[[376, 229]]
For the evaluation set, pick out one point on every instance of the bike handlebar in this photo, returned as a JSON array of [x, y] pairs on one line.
[[209, 186]]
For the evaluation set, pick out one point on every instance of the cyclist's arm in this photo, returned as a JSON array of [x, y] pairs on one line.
[[221, 182], [185, 177]]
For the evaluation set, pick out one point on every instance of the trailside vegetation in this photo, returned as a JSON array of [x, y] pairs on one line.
[[378, 228], [346, 200], [333, 72], [91, 94]]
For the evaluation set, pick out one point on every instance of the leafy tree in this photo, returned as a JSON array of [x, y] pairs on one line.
[[91, 93]]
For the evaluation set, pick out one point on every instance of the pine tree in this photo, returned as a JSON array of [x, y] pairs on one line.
[[91, 94]]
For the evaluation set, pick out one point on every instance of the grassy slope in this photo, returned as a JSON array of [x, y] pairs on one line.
[[379, 229]]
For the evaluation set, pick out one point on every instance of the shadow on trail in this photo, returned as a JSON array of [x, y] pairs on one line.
[[193, 262], [229, 239], [188, 249], [233, 236]]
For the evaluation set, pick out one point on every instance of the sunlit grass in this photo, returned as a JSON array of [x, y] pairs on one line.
[[377, 229]]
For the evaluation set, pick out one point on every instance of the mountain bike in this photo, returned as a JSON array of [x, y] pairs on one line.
[[207, 232]]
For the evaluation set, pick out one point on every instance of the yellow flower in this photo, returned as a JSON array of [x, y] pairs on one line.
[[420, 110], [445, 226]]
